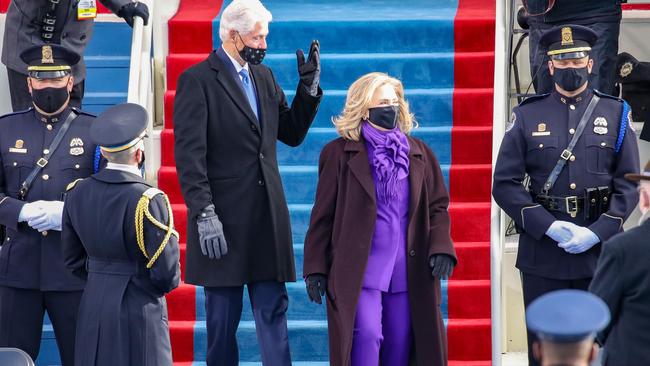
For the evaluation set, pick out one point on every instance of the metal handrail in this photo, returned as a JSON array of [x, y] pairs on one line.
[[140, 77]]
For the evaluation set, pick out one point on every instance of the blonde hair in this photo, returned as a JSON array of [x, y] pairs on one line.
[[358, 100]]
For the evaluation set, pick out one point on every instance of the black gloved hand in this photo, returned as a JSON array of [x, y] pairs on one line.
[[134, 9], [316, 287], [309, 71], [442, 266], [211, 238]]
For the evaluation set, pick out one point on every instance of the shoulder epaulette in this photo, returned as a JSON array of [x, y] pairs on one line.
[[16, 112], [152, 192], [72, 184], [79, 111], [603, 95], [533, 98]]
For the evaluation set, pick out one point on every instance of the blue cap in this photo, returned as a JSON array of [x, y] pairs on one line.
[[568, 41], [120, 127], [49, 61], [567, 316]]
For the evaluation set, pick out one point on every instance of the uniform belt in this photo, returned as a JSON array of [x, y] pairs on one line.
[[115, 267], [570, 204]]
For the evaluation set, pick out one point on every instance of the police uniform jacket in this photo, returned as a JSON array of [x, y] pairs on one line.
[[23, 29], [123, 314], [226, 157], [30, 259], [622, 280], [540, 129]]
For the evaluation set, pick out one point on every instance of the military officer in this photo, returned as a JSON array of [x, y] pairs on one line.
[[118, 231], [566, 322], [42, 150], [575, 144]]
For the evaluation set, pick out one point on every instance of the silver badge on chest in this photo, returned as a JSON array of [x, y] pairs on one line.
[[600, 126], [76, 146]]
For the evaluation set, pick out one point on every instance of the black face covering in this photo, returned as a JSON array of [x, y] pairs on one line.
[[385, 117], [571, 78], [50, 100], [252, 55]]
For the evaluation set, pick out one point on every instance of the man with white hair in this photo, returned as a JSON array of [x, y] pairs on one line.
[[228, 114], [622, 280]]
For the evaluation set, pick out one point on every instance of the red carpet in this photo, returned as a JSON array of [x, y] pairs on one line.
[[469, 327]]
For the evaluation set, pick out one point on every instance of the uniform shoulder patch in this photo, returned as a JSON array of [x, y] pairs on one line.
[[152, 192], [72, 184], [533, 98], [603, 95], [511, 123]]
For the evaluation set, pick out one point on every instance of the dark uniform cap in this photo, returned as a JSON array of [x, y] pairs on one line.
[[631, 70], [568, 41], [567, 316], [645, 174], [120, 127], [49, 61]]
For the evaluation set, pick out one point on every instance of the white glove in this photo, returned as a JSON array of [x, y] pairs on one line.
[[30, 211], [581, 241], [560, 231], [51, 217]]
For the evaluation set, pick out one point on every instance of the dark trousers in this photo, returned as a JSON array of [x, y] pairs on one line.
[[21, 319], [21, 99], [603, 53], [223, 305], [534, 287]]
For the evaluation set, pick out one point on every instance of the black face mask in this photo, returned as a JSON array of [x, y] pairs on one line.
[[571, 78], [252, 55], [50, 100], [385, 117]]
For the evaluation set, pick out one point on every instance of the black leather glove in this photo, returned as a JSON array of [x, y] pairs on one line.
[[309, 71], [132, 10], [211, 238], [316, 287], [442, 266]]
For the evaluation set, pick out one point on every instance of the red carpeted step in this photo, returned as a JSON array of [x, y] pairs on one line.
[[470, 221], [474, 26], [182, 339], [169, 108], [473, 107], [458, 363], [471, 145], [469, 339], [470, 182], [468, 299], [167, 148], [181, 303], [190, 30], [473, 261], [183, 248], [177, 63]]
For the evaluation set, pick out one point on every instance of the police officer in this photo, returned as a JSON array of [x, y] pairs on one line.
[[575, 144], [118, 231], [566, 323], [65, 22], [42, 150]]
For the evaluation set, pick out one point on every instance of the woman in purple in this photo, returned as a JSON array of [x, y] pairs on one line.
[[378, 242]]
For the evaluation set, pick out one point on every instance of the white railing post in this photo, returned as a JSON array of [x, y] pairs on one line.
[[501, 104]]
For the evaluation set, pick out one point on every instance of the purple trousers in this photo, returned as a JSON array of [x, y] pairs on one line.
[[382, 329]]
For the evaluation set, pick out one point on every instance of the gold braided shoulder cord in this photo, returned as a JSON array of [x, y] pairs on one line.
[[142, 211]]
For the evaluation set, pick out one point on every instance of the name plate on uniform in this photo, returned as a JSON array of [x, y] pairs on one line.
[[16, 150], [544, 133]]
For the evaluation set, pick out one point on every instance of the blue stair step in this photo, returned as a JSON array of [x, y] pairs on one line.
[[432, 107], [97, 102], [107, 73], [416, 70], [300, 181], [307, 341], [437, 138], [110, 39]]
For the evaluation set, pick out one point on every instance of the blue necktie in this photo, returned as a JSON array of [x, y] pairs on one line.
[[250, 93]]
